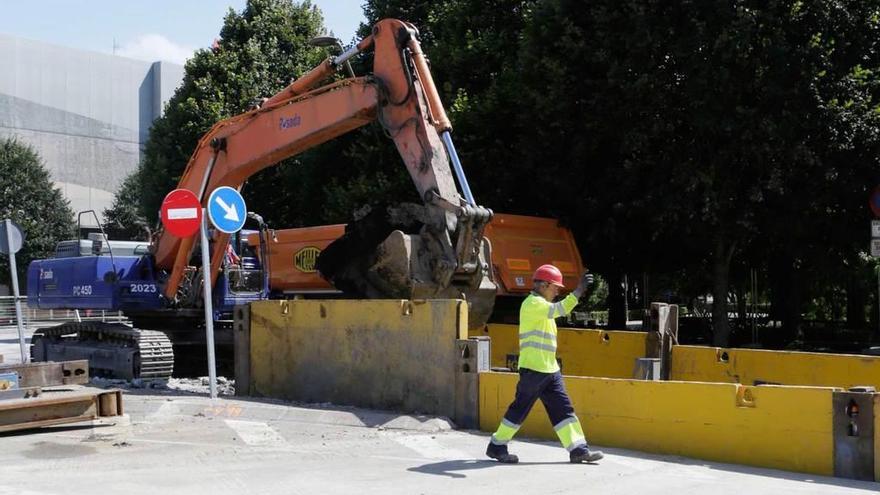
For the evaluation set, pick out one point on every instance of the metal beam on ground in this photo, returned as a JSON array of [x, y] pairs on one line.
[[49, 374], [55, 407]]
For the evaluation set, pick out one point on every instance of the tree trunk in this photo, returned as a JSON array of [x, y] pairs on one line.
[[856, 301], [616, 301], [785, 296], [791, 324], [742, 316], [720, 286]]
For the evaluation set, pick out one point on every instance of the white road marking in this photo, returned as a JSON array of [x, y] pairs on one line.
[[164, 412], [428, 447], [256, 433], [8, 490]]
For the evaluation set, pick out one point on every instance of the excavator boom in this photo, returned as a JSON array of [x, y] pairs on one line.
[[441, 252]]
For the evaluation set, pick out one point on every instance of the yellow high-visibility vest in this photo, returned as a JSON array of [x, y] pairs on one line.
[[537, 331]]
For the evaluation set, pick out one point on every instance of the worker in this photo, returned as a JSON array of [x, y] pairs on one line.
[[539, 375], [231, 257]]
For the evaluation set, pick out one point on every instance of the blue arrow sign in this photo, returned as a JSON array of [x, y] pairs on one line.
[[226, 210]]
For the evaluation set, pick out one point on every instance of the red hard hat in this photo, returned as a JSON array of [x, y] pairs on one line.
[[550, 274]]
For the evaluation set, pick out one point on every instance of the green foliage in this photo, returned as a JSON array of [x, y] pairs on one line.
[[693, 133], [28, 198], [694, 141], [473, 48], [681, 138], [597, 296], [259, 51], [123, 219]]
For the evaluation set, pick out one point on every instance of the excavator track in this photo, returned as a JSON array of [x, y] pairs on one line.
[[114, 350]]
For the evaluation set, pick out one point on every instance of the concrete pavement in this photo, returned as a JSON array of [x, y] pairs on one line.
[[184, 443], [173, 441]]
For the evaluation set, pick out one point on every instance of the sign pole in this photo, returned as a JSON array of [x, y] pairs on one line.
[[13, 271], [209, 310]]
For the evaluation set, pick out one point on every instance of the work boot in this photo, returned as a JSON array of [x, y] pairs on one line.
[[585, 455], [500, 454]]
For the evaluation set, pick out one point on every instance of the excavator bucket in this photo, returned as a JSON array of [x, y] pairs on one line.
[[388, 255]]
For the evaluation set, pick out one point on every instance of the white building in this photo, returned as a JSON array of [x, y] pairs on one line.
[[87, 114]]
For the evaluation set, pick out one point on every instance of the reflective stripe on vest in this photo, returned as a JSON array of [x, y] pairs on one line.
[[537, 333], [556, 310], [535, 345]]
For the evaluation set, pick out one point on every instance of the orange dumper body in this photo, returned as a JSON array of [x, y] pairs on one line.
[[519, 243]]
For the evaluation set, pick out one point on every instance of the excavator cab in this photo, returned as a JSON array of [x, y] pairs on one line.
[[241, 267], [243, 277]]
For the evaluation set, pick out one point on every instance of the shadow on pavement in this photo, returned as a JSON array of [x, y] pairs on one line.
[[47, 430], [451, 468]]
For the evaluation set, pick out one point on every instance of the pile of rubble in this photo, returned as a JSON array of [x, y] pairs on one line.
[[200, 385]]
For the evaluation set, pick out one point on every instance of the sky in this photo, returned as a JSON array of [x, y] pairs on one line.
[[145, 29]]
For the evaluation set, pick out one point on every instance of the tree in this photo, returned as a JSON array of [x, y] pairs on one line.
[[815, 239], [28, 198], [123, 219], [680, 126], [259, 51], [473, 48]]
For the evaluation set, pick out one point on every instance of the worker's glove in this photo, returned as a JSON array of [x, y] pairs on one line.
[[585, 285]]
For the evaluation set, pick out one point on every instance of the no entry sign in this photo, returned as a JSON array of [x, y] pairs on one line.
[[181, 213], [875, 201]]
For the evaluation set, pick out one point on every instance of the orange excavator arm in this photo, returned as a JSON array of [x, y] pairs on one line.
[[401, 94]]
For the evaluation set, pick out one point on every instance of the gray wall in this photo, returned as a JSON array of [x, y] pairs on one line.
[[88, 114]]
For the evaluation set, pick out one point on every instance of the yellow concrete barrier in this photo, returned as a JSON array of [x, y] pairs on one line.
[[776, 427], [583, 352], [385, 354], [751, 366]]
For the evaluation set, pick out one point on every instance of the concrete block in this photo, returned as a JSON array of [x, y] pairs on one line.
[[582, 352], [473, 359], [854, 435], [756, 366], [775, 427], [396, 355], [241, 338]]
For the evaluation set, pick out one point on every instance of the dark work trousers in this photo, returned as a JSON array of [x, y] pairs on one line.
[[550, 388]]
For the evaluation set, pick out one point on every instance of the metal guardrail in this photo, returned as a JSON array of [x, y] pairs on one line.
[[7, 314]]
